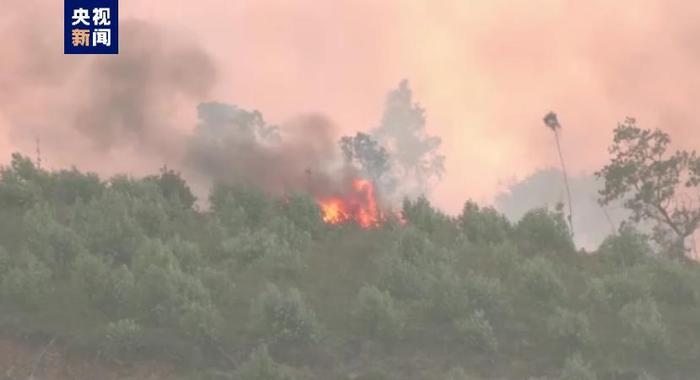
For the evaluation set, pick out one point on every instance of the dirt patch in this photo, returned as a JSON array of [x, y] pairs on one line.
[[26, 360]]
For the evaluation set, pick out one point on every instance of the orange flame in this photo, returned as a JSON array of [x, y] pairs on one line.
[[360, 206]]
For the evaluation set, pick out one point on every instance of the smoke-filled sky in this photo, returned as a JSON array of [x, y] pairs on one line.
[[486, 71]]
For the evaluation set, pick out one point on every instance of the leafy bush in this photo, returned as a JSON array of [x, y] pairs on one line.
[[570, 329], [420, 214], [107, 288], [484, 225], [403, 279], [541, 281], [108, 227], [284, 316], [477, 332], [169, 297], [542, 231], [457, 373], [377, 314], [448, 295], [121, 339], [673, 283], [627, 286], [576, 368], [57, 245], [27, 282], [646, 331], [260, 366], [627, 248], [485, 293]]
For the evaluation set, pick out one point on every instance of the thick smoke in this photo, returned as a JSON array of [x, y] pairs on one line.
[[237, 146], [544, 188], [88, 108], [128, 97]]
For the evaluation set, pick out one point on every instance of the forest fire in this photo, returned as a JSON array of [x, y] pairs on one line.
[[358, 205]]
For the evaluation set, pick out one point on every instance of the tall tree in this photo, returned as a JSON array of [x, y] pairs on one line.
[[363, 151], [655, 185], [414, 153], [551, 121]]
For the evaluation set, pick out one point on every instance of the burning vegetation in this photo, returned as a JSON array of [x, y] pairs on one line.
[[358, 204]]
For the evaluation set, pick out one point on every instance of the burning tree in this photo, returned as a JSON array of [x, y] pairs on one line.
[[654, 185], [358, 204]]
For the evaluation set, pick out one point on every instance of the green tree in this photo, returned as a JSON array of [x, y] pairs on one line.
[[261, 366], [483, 225], [284, 316], [576, 368], [655, 185], [369, 156], [378, 315]]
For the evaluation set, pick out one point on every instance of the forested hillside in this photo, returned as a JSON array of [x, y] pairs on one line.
[[259, 287]]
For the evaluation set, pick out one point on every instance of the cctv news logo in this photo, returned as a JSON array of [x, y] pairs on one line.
[[91, 27]]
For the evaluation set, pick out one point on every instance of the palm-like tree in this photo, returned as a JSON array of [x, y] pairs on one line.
[[550, 120]]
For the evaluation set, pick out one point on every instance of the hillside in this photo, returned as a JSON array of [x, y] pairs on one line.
[[132, 273]]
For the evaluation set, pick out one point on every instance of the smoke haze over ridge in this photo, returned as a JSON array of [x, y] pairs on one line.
[[486, 72]]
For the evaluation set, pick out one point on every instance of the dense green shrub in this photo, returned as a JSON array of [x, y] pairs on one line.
[[571, 330], [27, 281], [486, 293], [477, 332], [646, 331], [121, 339], [484, 225], [260, 366], [540, 281], [378, 315], [576, 368], [626, 286], [56, 244], [448, 296], [403, 279], [542, 231], [284, 316], [674, 283], [108, 288], [185, 284], [457, 373], [627, 248]]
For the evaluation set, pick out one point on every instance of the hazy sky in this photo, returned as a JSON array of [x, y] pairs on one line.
[[486, 71]]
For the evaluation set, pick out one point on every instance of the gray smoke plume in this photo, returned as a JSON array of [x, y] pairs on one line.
[[544, 188], [129, 95], [83, 107], [237, 146]]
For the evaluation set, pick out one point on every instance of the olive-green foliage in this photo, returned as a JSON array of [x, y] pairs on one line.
[[378, 314], [485, 225], [541, 281], [576, 368], [133, 268], [108, 287], [121, 339], [542, 231], [645, 329], [26, 281], [457, 373], [674, 283], [260, 366], [627, 248], [571, 330], [284, 316], [477, 332]]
